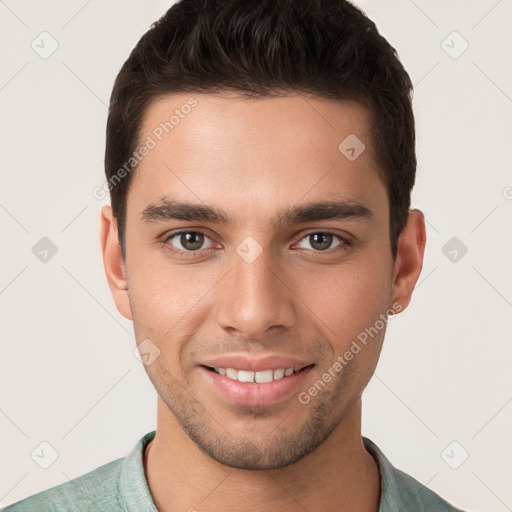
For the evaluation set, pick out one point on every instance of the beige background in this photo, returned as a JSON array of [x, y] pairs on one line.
[[68, 376]]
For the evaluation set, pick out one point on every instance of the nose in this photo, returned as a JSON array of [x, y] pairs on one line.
[[255, 298]]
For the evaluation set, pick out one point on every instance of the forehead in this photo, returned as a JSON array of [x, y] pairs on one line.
[[250, 154]]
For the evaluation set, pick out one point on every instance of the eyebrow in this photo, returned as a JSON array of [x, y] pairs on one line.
[[169, 209]]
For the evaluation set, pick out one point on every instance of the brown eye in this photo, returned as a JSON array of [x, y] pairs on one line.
[[187, 240], [321, 241]]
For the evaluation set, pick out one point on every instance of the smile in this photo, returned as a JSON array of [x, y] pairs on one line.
[[261, 377], [255, 387]]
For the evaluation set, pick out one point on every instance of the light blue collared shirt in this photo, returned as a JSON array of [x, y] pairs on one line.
[[121, 485]]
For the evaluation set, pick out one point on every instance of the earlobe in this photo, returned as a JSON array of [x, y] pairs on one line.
[[113, 262], [409, 260]]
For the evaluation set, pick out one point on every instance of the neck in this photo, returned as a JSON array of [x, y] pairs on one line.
[[339, 475]]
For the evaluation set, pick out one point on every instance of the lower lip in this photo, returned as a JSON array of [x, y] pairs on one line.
[[253, 393]]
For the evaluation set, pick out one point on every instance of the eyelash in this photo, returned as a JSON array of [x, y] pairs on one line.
[[345, 243]]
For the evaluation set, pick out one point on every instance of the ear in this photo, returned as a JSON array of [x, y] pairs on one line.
[[409, 259], [113, 262]]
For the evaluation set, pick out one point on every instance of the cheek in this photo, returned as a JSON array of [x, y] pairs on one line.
[[346, 298], [162, 290], [168, 301]]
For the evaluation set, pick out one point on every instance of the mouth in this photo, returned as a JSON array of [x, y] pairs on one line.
[[259, 377], [255, 388]]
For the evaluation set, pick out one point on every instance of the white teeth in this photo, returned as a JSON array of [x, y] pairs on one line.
[[278, 374], [260, 377], [264, 376], [232, 373], [245, 376]]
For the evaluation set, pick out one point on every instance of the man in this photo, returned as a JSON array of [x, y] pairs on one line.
[[260, 159]]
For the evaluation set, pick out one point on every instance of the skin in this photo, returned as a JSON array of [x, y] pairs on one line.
[[251, 159]]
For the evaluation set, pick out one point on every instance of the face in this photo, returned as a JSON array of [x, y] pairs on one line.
[[255, 246]]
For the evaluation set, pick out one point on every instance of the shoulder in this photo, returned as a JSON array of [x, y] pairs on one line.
[[414, 493], [119, 485], [400, 491], [97, 490]]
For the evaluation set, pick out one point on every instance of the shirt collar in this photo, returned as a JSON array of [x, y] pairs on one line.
[[398, 490], [133, 486]]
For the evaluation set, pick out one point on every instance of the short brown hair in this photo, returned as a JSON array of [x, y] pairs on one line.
[[324, 47]]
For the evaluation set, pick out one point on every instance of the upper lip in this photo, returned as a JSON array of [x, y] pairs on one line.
[[255, 364]]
